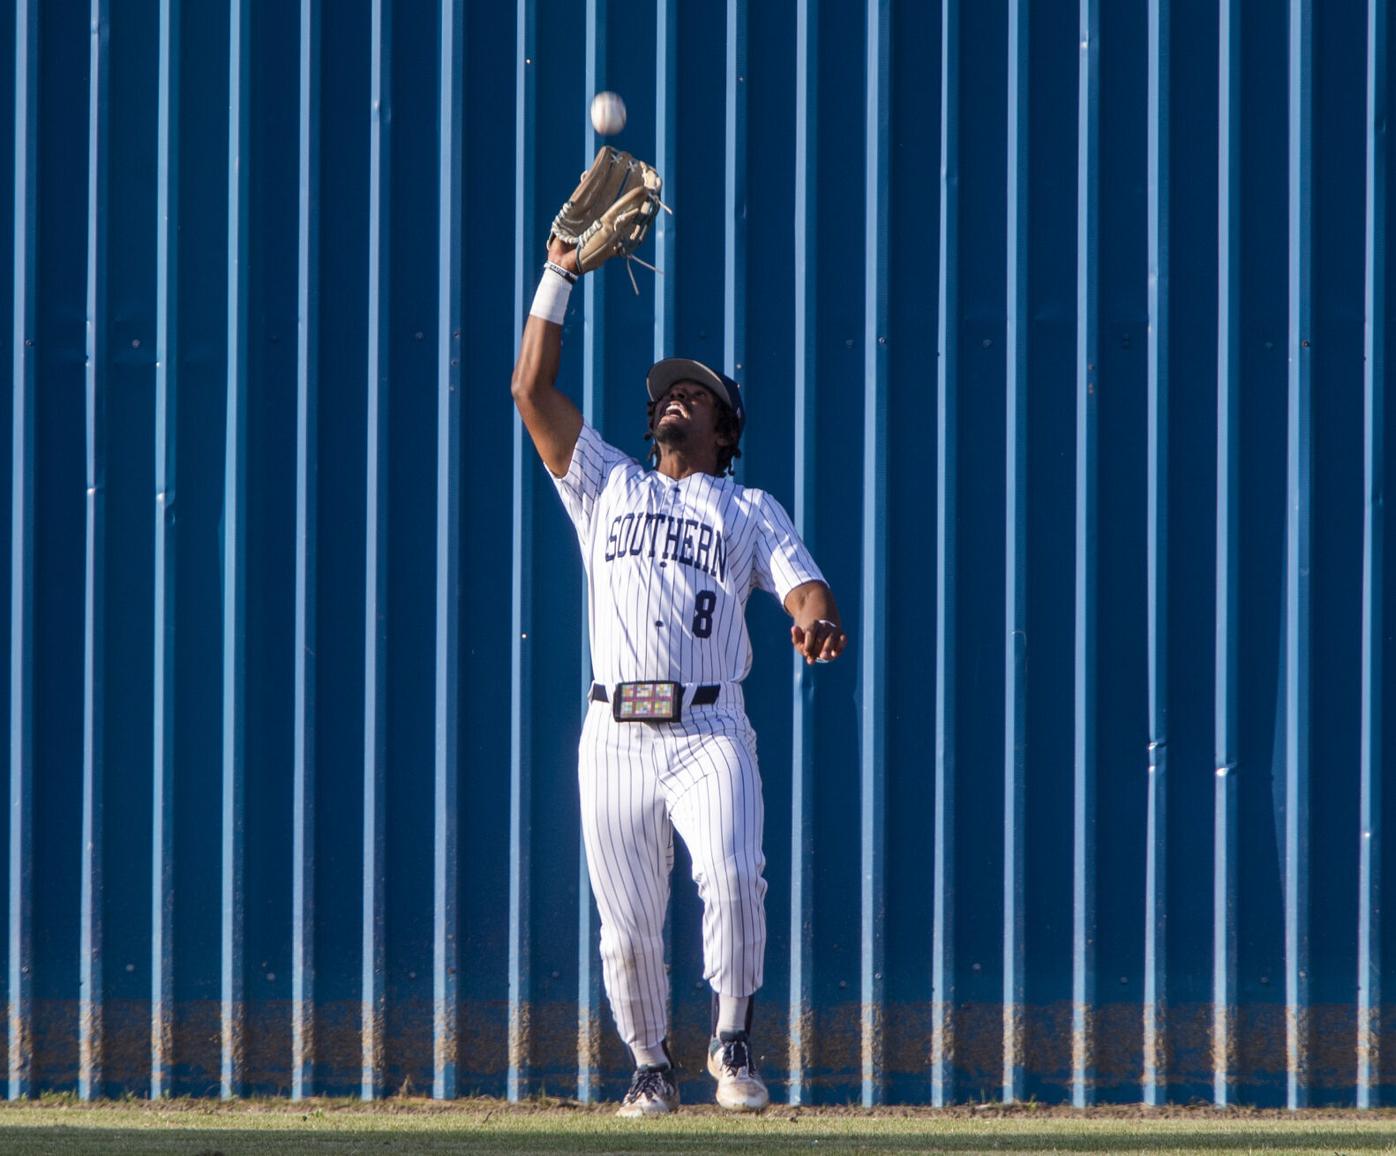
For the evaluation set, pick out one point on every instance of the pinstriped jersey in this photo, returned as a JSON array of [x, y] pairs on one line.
[[670, 565]]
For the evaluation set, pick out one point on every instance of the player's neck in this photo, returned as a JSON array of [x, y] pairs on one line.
[[674, 463]]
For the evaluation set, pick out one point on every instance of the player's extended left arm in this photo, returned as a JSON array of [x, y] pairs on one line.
[[551, 419], [817, 632]]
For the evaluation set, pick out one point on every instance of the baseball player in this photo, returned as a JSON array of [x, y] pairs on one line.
[[671, 554]]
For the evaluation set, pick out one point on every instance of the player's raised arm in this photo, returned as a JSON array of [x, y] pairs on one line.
[[608, 215], [551, 419]]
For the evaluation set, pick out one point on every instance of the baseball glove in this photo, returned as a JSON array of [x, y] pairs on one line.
[[611, 209]]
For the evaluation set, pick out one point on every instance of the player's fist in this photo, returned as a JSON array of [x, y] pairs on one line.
[[819, 641]]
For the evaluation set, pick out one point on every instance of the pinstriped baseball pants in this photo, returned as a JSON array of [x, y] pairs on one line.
[[640, 782]]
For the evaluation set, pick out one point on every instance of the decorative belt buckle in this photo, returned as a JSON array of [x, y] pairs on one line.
[[648, 702]]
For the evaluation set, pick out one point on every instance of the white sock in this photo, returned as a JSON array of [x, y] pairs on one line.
[[650, 1057], [731, 1012]]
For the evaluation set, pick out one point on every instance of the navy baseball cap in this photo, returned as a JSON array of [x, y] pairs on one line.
[[670, 371]]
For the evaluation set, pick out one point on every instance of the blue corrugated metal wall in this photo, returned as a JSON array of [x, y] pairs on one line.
[[1063, 328]]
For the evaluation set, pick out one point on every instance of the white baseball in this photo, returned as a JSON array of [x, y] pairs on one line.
[[607, 113]]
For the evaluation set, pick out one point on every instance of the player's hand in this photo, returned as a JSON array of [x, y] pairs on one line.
[[820, 641], [561, 253]]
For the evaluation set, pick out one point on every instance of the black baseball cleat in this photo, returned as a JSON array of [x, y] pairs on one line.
[[739, 1088], [653, 1092]]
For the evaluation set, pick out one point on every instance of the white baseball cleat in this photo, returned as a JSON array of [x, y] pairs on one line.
[[652, 1093], [739, 1088]]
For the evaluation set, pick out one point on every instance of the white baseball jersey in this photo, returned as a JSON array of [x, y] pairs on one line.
[[670, 565]]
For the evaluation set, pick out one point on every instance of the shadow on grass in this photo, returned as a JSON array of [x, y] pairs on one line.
[[64, 1139]]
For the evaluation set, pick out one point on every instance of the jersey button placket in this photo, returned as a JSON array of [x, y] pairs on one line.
[[659, 534]]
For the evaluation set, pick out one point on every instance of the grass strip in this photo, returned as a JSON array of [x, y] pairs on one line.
[[211, 1128]]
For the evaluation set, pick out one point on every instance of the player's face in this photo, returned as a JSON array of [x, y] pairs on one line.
[[686, 416]]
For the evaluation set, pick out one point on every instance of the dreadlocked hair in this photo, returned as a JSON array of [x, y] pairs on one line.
[[726, 425]]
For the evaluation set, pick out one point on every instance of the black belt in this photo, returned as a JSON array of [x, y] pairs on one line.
[[702, 695]]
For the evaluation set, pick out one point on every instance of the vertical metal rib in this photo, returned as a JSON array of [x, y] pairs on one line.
[[23, 336], [521, 562], [1015, 654], [801, 1043], [234, 568], [1299, 511], [1155, 1074], [1224, 856], [666, 150], [874, 626], [1084, 722], [589, 1002], [593, 288], [90, 1003], [307, 521], [376, 553], [734, 195], [943, 868], [1369, 955], [166, 381], [594, 407], [449, 324]]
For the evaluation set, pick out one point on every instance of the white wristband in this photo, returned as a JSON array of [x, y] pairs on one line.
[[550, 302]]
